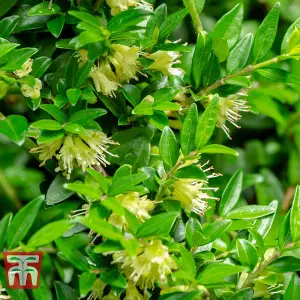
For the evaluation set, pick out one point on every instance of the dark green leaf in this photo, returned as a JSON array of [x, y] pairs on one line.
[[285, 232], [156, 20], [245, 294], [8, 25], [192, 172], [293, 289], [231, 193], [40, 66], [266, 34], [48, 136], [4, 226], [56, 25], [212, 70], [247, 253], [64, 292], [83, 116], [207, 123], [45, 8], [114, 278], [17, 58], [22, 222], [5, 6], [285, 264], [55, 112], [278, 75]]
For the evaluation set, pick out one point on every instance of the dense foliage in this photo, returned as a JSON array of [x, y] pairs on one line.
[[122, 156]]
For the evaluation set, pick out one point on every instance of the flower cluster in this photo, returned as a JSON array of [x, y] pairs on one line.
[[118, 6], [72, 151], [139, 206], [193, 193], [25, 70], [124, 60], [152, 264]]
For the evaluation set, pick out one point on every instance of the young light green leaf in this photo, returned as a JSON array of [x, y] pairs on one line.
[[295, 216], [188, 131], [49, 233], [250, 212], [158, 225], [231, 193], [288, 35], [215, 272], [247, 253], [168, 148], [22, 222], [239, 55], [207, 123], [200, 58], [266, 34], [218, 149], [230, 25], [47, 125]]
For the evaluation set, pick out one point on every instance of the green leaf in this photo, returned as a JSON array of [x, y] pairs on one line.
[[124, 184], [83, 116], [212, 70], [55, 112], [293, 289], [192, 172], [40, 66], [86, 17], [218, 149], [85, 189], [194, 234], [207, 123], [4, 226], [132, 94], [247, 253], [288, 36], [102, 227], [155, 21], [22, 222], [278, 75], [170, 23], [215, 230], [114, 278], [43, 292], [285, 264], [230, 25], [285, 232], [231, 193], [159, 119], [168, 148], [6, 48], [158, 225], [5, 6], [100, 179], [56, 192], [45, 8], [215, 272], [239, 55], [180, 296], [295, 216], [263, 225], [250, 212], [47, 125], [266, 34], [17, 58], [48, 136], [245, 294], [144, 107], [56, 25], [200, 58], [221, 49], [49, 233], [8, 25], [14, 127], [74, 256], [188, 131], [73, 96], [64, 292]]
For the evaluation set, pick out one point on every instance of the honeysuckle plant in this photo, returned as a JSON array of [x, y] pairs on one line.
[[134, 130]]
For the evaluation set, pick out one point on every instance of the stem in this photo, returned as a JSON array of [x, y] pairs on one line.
[[246, 70], [190, 5]]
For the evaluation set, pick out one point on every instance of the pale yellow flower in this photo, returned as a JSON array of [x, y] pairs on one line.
[[26, 69], [32, 92], [104, 78], [125, 61], [118, 6], [164, 61], [132, 292], [152, 264]]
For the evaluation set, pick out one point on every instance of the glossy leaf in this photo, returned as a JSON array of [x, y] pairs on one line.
[[285, 264], [4, 226], [247, 253], [218, 149], [295, 216], [250, 212]]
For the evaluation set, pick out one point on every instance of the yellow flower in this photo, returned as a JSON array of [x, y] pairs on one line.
[[104, 79], [47, 151], [152, 264], [125, 61], [229, 110], [139, 206], [26, 69], [118, 6], [32, 92], [164, 61]]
